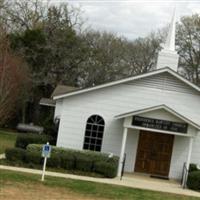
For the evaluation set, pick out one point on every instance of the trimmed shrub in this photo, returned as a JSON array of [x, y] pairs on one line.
[[54, 160], [107, 169], [33, 157], [193, 181], [35, 148], [23, 140], [67, 161], [83, 163], [193, 167], [15, 154], [87, 161]]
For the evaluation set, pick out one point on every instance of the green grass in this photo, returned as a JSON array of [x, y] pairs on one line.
[[91, 189], [7, 140]]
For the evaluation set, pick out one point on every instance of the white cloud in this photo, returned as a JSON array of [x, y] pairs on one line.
[[132, 18]]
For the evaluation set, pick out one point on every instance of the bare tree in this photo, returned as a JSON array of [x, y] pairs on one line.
[[12, 77], [110, 57], [21, 15], [104, 58], [141, 54], [188, 43]]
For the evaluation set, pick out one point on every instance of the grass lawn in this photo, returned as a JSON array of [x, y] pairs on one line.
[[27, 186], [7, 139]]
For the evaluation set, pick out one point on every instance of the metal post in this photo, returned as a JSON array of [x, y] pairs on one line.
[[44, 168], [45, 161], [124, 161]]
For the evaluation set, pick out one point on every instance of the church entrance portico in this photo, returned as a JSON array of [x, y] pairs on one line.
[[161, 132]]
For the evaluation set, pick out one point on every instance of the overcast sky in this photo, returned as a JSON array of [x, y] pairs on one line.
[[131, 18]]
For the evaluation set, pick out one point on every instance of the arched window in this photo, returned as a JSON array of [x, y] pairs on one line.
[[94, 133]]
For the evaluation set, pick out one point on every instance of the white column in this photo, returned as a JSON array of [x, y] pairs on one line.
[[122, 151], [189, 152], [188, 159]]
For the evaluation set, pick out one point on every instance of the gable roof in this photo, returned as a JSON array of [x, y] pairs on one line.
[[158, 71], [47, 102], [163, 106], [62, 89]]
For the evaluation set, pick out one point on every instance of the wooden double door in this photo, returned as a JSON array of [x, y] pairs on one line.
[[154, 153]]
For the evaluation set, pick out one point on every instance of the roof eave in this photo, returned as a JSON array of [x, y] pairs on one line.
[[166, 69]]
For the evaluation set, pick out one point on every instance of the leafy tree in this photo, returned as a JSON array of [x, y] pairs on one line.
[[53, 50], [66, 49]]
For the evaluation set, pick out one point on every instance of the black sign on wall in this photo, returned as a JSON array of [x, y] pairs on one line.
[[160, 124]]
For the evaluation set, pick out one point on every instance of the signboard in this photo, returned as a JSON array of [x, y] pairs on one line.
[[46, 150], [159, 124]]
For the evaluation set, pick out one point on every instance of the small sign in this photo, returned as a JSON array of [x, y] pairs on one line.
[[160, 124], [46, 150]]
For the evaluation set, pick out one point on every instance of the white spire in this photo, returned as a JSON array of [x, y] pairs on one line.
[[168, 57], [170, 42]]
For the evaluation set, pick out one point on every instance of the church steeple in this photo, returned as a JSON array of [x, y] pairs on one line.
[[168, 56], [170, 42]]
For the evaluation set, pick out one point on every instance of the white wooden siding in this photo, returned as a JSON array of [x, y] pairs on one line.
[[161, 114], [164, 81], [167, 58], [111, 101], [196, 151], [179, 156], [58, 108], [131, 149]]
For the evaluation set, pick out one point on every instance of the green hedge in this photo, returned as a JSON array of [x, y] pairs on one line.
[[107, 169], [67, 161], [33, 157], [193, 181], [83, 162], [54, 161], [193, 167], [15, 154], [88, 161], [23, 140]]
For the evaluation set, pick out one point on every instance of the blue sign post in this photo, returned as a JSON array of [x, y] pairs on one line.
[[46, 152]]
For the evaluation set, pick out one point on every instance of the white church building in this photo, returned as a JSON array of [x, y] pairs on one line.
[[153, 118]]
